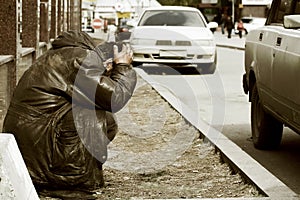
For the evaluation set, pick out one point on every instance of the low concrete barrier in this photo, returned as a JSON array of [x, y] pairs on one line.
[[15, 182]]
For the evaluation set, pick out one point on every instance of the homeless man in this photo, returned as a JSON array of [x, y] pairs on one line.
[[61, 113]]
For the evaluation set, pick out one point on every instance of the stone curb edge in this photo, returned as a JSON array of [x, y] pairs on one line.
[[15, 181], [241, 161], [230, 46]]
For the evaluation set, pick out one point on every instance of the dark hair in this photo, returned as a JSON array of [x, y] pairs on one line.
[[74, 39], [106, 49]]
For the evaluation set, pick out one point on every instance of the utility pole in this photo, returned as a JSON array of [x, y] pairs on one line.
[[233, 11], [138, 8]]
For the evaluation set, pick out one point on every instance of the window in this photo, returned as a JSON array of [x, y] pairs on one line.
[[171, 18], [296, 7], [284, 8], [281, 8]]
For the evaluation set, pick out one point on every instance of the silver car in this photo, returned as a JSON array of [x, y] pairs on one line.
[[272, 66]]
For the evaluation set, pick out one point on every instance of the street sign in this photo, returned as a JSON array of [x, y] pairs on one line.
[[97, 23], [119, 7]]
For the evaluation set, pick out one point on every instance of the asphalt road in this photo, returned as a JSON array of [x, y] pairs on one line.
[[220, 101]]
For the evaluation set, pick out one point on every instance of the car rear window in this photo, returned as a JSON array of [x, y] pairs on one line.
[[246, 20], [171, 18]]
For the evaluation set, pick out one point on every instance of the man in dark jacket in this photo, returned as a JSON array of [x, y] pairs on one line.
[[61, 113], [229, 26]]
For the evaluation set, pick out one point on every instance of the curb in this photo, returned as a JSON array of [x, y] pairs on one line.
[[238, 159], [230, 47], [15, 181]]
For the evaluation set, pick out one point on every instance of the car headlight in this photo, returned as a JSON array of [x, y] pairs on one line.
[[203, 42], [140, 41]]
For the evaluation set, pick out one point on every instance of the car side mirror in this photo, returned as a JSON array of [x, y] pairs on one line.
[[291, 21], [131, 23], [212, 25]]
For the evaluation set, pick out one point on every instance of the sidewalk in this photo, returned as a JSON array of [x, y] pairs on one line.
[[234, 42]]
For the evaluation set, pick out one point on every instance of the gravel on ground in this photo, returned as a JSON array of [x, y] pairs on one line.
[[158, 154]]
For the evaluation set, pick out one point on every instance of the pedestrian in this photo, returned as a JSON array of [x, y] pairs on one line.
[[229, 26], [240, 28], [105, 25], [223, 22], [61, 112]]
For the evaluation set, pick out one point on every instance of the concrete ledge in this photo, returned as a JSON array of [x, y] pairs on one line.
[[15, 182], [42, 44], [230, 46], [5, 59], [25, 51], [256, 173]]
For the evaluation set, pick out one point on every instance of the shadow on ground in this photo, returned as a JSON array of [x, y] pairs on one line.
[[284, 162], [166, 70]]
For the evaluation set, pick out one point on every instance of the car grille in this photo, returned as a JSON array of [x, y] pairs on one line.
[[157, 56], [176, 43], [183, 43], [164, 42]]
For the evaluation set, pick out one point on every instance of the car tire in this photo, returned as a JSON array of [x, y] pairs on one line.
[[266, 130]]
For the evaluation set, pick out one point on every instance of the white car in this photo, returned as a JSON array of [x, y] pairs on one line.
[[272, 66], [174, 36]]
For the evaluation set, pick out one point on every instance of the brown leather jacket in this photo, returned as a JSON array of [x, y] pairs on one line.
[[61, 111]]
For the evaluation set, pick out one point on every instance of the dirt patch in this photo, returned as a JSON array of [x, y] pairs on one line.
[[157, 154]]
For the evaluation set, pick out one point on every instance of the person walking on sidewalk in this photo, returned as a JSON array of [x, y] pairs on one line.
[[241, 28], [229, 26], [223, 22], [61, 113]]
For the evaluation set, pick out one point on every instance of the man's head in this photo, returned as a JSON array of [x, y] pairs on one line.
[[74, 39]]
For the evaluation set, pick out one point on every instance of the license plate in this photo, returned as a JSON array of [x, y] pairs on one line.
[[172, 53]]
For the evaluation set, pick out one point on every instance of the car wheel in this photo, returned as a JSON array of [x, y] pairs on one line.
[[266, 130]]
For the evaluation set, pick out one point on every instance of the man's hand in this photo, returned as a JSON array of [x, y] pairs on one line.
[[125, 56]]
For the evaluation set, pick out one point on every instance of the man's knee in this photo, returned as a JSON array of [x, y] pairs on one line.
[[112, 126]]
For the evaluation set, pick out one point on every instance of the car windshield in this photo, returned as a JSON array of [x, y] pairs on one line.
[[247, 20], [171, 18]]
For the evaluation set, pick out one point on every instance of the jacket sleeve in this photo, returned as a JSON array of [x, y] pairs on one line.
[[114, 91], [98, 91]]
